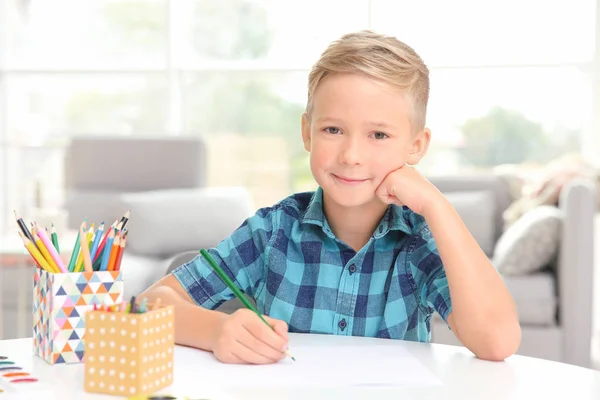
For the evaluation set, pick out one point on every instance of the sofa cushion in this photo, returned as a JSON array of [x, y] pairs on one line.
[[531, 243], [139, 273], [535, 297], [476, 209], [167, 222], [94, 205], [496, 185]]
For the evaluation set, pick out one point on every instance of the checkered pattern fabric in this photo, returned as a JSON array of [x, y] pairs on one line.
[[287, 258]]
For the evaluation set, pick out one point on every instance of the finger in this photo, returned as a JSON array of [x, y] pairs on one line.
[[265, 333], [252, 340], [280, 327], [230, 358], [249, 355]]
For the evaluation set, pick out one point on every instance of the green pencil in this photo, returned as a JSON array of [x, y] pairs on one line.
[[55, 239], [74, 254], [236, 291]]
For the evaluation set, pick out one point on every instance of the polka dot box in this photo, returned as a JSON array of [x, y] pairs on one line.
[[129, 353]]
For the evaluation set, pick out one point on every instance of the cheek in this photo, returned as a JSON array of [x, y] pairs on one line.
[[387, 162], [320, 153]]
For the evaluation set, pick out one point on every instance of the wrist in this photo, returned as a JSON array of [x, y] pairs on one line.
[[437, 205], [214, 321], [198, 327]]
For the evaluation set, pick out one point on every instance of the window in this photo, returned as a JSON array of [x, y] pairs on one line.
[[235, 72]]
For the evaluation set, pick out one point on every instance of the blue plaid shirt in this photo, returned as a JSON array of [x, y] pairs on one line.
[[289, 261]]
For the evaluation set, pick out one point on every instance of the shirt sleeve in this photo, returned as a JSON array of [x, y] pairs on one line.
[[430, 276], [241, 255]]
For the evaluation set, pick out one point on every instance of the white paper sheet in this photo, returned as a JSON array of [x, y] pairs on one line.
[[321, 366]]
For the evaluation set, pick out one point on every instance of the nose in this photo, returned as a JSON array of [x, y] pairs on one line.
[[351, 151]]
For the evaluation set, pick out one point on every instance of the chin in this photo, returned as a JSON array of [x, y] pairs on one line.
[[349, 198]]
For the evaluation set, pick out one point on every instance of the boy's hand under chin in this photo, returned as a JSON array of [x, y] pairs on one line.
[[406, 186]]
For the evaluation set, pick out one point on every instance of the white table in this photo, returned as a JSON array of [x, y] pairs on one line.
[[462, 376]]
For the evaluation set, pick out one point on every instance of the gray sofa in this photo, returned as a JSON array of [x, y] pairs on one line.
[[555, 304]]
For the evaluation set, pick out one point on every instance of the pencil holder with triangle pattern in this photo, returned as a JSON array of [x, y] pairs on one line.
[[60, 302]]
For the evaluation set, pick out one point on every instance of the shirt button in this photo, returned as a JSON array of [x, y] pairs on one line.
[[342, 324], [352, 269]]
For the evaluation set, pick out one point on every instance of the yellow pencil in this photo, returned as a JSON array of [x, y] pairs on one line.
[[35, 253], [85, 249], [79, 267], [45, 253]]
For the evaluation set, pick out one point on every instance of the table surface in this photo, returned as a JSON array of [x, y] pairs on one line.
[[462, 376]]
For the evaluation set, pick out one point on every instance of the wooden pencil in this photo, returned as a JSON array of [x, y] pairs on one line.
[[56, 260], [121, 250], [84, 244], [125, 219], [107, 250], [74, 254], [36, 254], [54, 237], [103, 242], [23, 227], [45, 252], [114, 251]]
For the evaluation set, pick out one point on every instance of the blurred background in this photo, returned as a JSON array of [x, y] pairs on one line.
[[515, 98], [512, 82]]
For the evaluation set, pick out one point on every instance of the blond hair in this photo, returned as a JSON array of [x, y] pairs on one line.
[[381, 57]]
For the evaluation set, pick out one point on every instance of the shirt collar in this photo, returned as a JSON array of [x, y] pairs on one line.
[[394, 219]]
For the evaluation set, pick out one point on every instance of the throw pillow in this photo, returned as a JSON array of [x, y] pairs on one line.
[[531, 243], [167, 222]]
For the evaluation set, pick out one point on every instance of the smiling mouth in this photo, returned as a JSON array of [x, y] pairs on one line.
[[348, 180]]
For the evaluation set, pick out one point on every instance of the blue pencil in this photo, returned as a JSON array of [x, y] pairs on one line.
[[106, 252], [96, 241]]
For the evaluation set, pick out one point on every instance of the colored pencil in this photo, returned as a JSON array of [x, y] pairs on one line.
[[106, 252], [236, 291], [23, 227], [45, 252], [35, 253], [125, 219], [96, 242], [74, 254], [132, 307], [143, 305], [55, 239], [85, 249], [103, 243], [114, 251], [57, 261], [121, 250], [79, 266]]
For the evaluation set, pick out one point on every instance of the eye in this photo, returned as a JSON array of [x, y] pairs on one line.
[[333, 130], [380, 135]]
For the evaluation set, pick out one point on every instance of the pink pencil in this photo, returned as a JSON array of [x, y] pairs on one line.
[[51, 249]]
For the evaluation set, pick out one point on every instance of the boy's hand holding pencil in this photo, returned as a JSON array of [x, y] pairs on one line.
[[246, 336], [244, 339]]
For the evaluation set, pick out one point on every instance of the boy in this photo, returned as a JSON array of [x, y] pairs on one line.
[[373, 252]]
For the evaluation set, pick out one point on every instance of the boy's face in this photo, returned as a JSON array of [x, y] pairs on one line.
[[359, 132]]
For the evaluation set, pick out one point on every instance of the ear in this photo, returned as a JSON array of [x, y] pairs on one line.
[[420, 144], [306, 132]]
